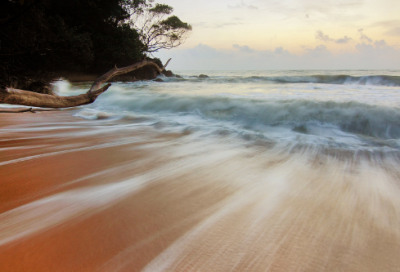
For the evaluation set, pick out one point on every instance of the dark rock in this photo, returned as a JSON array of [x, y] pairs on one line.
[[158, 80], [144, 73], [301, 129], [40, 82], [178, 76], [29, 84], [168, 73], [203, 76], [40, 86]]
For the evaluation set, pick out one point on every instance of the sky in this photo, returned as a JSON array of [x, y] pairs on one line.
[[287, 34]]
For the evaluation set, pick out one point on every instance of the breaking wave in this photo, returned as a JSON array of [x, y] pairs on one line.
[[373, 80], [258, 115], [280, 109]]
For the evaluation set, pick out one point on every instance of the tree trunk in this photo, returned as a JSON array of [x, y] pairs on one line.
[[27, 98]]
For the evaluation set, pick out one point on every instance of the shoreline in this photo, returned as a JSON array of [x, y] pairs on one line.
[[71, 165], [103, 195]]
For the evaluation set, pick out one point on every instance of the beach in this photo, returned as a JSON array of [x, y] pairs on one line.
[[216, 180]]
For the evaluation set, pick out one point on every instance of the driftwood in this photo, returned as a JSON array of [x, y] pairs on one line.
[[18, 110], [27, 98]]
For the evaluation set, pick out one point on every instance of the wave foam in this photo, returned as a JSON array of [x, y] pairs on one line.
[[301, 116], [373, 80]]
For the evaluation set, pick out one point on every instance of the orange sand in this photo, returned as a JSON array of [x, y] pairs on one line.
[[172, 211]]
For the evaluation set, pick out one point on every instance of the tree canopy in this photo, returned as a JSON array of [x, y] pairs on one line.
[[82, 35], [156, 30]]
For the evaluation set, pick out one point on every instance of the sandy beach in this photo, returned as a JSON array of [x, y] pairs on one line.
[[106, 195], [199, 136]]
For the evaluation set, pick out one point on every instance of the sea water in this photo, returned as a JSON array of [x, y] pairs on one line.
[[343, 110], [266, 171]]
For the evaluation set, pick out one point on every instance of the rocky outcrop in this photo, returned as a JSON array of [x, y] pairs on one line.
[[41, 83], [34, 99], [29, 83], [168, 73], [145, 73]]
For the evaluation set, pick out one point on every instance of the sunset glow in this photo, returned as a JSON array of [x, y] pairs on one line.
[[346, 27]]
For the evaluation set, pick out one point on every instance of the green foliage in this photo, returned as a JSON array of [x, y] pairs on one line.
[[79, 35], [161, 9], [69, 43], [157, 32], [174, 22]]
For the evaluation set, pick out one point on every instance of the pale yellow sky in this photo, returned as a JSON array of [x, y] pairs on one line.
[[331, 27], [292, 24]]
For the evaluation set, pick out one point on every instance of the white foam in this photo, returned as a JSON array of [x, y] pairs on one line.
[[50, 211]]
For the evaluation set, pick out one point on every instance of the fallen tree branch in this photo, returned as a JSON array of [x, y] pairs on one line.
[[124, 70], [27, 98], [4, 110], [18, 110]]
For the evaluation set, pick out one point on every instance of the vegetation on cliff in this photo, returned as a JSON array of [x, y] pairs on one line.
[[44, 38]]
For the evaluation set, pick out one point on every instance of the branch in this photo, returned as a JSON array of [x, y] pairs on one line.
[[120, 71], [28, 98], [19, 110], [4, 110]]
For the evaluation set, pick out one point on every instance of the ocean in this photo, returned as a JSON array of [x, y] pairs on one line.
[[331, 110], [238, 171]]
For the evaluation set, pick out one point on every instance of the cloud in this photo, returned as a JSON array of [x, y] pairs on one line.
[[320, 51], [316, 11], [199, 24], [222, 25], [376, 55], [345, 39], [217, 25], [279, 50], [242, 5], [387, 23], [393, 32], [319, 35], [380, 43], [392, 27], [364, 37], [252, 7], [243, 48]]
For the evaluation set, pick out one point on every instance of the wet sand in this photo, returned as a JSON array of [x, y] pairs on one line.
[[104, 195]]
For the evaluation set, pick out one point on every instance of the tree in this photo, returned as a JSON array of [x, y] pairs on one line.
[[41, 36], [44, 39], [27, 98], [105, 21], [156, 30]]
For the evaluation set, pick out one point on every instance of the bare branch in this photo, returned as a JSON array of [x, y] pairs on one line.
[[156, 32], [18, 110], [120, 71], [27, 98]]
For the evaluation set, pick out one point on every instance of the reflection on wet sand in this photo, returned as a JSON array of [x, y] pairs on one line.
[[112, 196]]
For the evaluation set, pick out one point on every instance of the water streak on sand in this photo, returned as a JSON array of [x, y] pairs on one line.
[[168, 180], [260, 209]]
